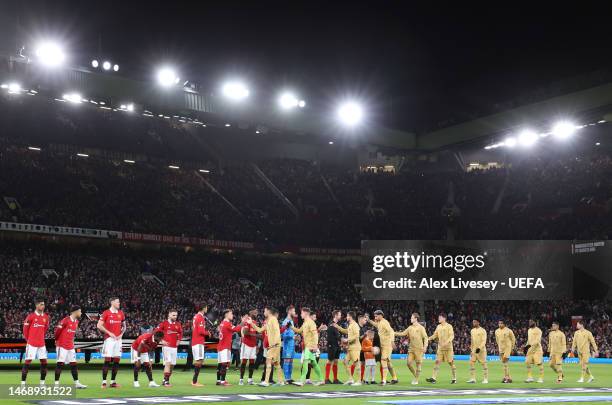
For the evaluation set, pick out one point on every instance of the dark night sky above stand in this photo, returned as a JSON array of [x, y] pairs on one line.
[[413, 65]]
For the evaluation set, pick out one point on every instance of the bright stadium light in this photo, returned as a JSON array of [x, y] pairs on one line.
[[288, 101], [72, 97], [301, 104], [14, 88], [50, 54], [116, 67], [235, 90], [350, 113], [563, 129], [106, 65], [527, 138], [95, 63], [167, 77], [510, 142]]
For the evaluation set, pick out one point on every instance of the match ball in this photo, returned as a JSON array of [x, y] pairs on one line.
[[375, 350]]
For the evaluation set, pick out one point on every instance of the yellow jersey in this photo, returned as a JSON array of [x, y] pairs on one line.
[[445, 335], [505, 339], [557, 343], [478, 339], [417, 336]]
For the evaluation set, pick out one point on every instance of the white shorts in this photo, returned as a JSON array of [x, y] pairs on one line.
[[111, 347], [224, 356], [247, 352], [33, 352], [169, 354], [370, 362], [66, 355], [198, 352], [141, 357]]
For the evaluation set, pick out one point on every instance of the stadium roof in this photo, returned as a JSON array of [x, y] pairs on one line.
[[593, 102]]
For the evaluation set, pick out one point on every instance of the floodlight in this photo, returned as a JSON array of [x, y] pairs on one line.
[[235, 90], [563, 129], [350, 113], [288, 101], [527, 138], [106, 65], [14, 88], [116, 67], [72, 97], [301, 103], [50, 54], [167, 77], [95, 63], [510, 142]]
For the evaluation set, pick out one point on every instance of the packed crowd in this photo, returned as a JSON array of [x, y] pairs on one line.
[[558, 199], [565, 194], [89, 276]]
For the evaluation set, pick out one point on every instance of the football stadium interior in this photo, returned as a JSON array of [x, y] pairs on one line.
[[169, 197]]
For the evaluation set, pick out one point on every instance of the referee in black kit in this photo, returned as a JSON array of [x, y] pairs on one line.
[[333, 348]]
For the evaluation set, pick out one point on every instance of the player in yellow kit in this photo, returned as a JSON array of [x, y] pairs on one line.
[[310, 333], [387, 338], [353, 352], [533, 351], [557, 349], [582, 342], [505, 343], [445, 335], [478, 352], [272, 329], [417, 337]]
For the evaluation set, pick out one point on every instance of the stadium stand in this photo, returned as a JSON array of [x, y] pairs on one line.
[[543, 196], [89, 275]]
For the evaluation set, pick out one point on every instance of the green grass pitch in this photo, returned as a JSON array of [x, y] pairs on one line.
[[91, 375]]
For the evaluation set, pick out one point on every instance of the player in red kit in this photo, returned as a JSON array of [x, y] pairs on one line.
[[64, 343], [173, 333], [112, 324], [248, 348], [198, 339], [224, 348], [35, 327], [139, 353]]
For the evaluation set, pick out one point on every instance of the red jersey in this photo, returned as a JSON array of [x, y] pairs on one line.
[[250, 335], [64, 333], [112, 322], [198, 330], [173, 332], [34, 328], [226, 330], [146, 341]]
